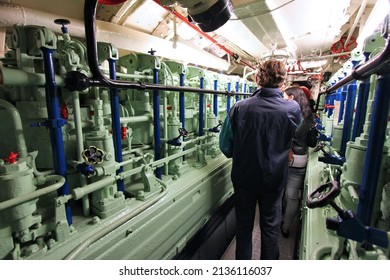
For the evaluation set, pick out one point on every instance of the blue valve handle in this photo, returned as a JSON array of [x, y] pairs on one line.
[[347, 224]]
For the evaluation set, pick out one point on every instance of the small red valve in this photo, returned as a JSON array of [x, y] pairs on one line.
[[64, 112], [123, 132], [12, 157]]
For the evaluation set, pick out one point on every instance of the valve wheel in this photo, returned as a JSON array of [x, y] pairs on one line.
[[323, 195]]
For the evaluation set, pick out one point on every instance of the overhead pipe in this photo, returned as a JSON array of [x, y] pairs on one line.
[[78, 81], [324, 56], [204, 34]]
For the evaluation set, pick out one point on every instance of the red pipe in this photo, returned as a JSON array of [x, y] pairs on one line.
[[193, 26]]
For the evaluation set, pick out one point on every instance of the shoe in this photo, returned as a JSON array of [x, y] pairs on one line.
[[285, 233]]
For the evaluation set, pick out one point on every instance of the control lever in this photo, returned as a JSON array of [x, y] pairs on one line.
[[216, 128], [328, 158], [347, 224], [176, 141]]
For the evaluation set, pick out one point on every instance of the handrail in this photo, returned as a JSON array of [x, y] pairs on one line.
[[374, 66], [98, 79]]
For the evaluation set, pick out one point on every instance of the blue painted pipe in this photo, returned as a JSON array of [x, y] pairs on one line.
[[181, 101], [331, 100], [201, 109], [55, 123], [216, 98], [376, 140], [348, 117], [116, 123], [237, 89], [361, 108], [342, 99], [182, 107], [157, 124], [228, 98]]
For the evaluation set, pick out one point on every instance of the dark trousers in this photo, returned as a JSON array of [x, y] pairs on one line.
[[270, 206]]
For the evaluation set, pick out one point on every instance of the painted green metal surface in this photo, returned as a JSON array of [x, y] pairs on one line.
[[153, 218]]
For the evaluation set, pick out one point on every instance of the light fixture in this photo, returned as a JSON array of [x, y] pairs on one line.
[[208, 15]]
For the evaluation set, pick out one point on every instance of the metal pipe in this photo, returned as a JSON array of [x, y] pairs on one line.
[[361, 108], [55, 124], [80, 146], [182, 101], [343, 96], [136, 119], [172, 157], [201, 109], [324, 56], [215, 103], [182, 106], [17, 126], [116, 123], [79, 193], [376, 140], [348, 117], [228, 98], [165, 129], [18, 77], [156, 123], [35, 194], [101, 80], [237, 88], [129, 76]]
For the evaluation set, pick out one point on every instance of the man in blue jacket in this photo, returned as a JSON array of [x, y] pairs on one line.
[[257, 134]]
